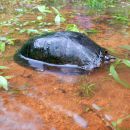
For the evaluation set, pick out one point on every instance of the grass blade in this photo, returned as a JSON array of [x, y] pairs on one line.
[[8, 77], [3, 83], [126, 62], [56, 10], [116, 76], [127, 47], [72, 27], [3, 67], [2, 46]]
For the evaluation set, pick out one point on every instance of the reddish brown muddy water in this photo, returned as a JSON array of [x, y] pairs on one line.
[[53, 101]]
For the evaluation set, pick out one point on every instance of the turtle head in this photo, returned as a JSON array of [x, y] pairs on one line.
[[108, 58]]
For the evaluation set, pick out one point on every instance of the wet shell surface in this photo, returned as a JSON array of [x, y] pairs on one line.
[[58, 50]]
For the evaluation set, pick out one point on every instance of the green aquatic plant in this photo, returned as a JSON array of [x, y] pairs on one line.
[[10, 22], [92, 31], [7, 40], [32, 32], [21, 11], [96, 4], [3, 79], [40, 17], [3, 67], [39, 22], [43, 9], [114, 73], [117, 63], [17, 24], [121, 18], [4, 41], [3, 83], [116, 124], [72, 27], [2, 47], [87, 89], [29, 31], [100, 5], [127, 47], [59, 17]]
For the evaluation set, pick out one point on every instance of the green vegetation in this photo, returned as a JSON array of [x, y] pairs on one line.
[[43, 9], [116, 64], [92, 31], [100, 5], [127, 47], [3, 83], [4, 41], [87, 89], [115, 74], [39, 21], [2, 47], [116, 124], [118, 16], [59, 17], [3, 79], [72, 27], [96, 4], [121, 18]]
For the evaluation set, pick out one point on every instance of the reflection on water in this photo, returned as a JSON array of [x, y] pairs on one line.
[[42, 66], [58, 108], [23, 118], [77, 119]]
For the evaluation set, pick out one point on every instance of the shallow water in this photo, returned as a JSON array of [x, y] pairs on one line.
[[53, 101]]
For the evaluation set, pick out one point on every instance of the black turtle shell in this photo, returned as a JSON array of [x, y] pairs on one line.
[[62, 49]]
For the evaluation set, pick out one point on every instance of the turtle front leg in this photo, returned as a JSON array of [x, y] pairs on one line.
[[88, 67]]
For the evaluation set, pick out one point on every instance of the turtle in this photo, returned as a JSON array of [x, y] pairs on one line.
[[64, 49]]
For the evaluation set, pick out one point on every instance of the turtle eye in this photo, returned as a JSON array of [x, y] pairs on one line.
[[106, 52]]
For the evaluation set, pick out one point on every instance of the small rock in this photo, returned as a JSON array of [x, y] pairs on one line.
[[96, 107], [108, 117]]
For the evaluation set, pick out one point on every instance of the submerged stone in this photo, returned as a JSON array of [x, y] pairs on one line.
[[62, 50]]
